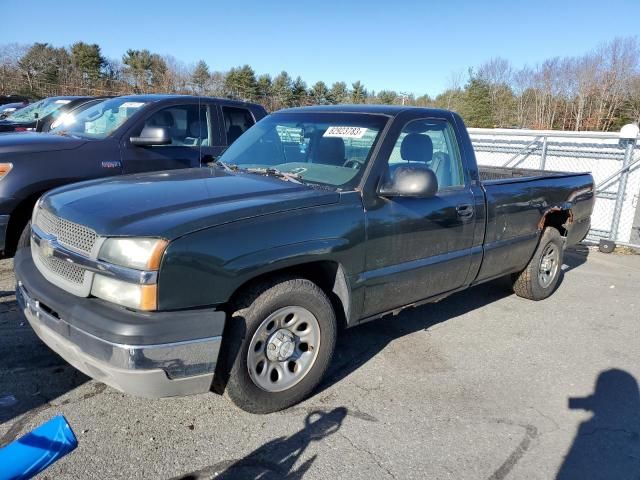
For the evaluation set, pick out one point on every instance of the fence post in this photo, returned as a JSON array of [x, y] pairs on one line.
[[543, 155], [628, 135]]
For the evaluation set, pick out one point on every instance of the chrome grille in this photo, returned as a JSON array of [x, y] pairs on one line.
[[69, 234], [66, 270]]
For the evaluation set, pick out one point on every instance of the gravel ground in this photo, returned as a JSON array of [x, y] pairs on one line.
[[481, 385]]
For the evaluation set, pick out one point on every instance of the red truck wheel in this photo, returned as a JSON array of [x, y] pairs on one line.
[[540, 277]]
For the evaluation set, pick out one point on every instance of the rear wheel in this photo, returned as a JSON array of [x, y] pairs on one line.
[[540, 277], [278, 344]]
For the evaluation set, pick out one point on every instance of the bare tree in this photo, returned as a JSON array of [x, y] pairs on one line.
[[10, 55], [455, 82], [522, 85]]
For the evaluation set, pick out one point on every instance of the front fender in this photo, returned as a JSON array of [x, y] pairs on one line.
[[206, 267]]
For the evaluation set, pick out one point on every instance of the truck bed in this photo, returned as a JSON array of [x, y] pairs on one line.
[[499, 174]]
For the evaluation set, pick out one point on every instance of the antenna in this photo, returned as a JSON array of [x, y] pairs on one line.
[[200, 129]]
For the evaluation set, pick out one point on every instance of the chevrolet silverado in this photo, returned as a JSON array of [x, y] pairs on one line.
[[236, 278]]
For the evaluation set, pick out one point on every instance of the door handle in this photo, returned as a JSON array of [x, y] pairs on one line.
[[465, 210]]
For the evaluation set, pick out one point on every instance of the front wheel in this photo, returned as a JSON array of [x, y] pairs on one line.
[[278, 344], [541, 275], [25, 237]]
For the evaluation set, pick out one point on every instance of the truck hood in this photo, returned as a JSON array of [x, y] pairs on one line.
[[31, 142], [172, 204]]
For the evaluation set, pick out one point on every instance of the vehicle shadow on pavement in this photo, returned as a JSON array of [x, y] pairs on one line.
[[574, 257], [276, 458], [608, 444], [356, 346]]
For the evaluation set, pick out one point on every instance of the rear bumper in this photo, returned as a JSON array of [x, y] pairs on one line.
[[166, 369]]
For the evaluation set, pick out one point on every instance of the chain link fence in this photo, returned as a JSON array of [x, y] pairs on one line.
[[613, 162]]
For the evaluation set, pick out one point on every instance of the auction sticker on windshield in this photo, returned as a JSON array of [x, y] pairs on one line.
[[62, 102], [132, 104], [345, 132]]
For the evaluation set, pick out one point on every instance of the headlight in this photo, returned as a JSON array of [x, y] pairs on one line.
[[134, 253], [140, 297], [138, 253]]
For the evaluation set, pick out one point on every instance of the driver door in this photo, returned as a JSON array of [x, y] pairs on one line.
[[420, 247]]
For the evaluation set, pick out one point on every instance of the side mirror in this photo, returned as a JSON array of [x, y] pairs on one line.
[[152, 136], [410, 181]]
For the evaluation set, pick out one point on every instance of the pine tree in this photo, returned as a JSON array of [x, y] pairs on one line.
[[200, 77], [387, 97], [338, 93], [319, 93], [241, 82], [358, 92], [87, 60], [146, 68], [476, 109], [299, 91], [282, 90]]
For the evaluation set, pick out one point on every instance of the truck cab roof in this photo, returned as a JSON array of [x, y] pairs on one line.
[[389, 110]]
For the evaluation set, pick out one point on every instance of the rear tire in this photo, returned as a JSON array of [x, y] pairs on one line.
[[540, 277], [277, 345]]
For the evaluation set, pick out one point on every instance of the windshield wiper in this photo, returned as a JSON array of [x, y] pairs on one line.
[[228, 167], [274, 172]]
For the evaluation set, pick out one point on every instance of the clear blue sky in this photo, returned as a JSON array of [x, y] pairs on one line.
[[405, 46]]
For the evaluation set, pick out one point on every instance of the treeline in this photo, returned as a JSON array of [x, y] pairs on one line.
[[599, 90]]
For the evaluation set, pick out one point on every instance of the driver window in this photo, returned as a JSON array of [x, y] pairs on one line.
[[429, 143], [187, 125]]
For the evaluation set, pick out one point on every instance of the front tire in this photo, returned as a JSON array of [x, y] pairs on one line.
[[25, 237], [540, 277], [278, 344]]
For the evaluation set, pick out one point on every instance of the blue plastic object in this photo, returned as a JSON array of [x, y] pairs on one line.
[[30, 454]]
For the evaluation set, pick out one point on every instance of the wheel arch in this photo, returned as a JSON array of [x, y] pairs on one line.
[[18, 218], [560, 218], [329, 275]]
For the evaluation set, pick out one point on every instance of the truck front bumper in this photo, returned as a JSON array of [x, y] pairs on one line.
[[171, 368]]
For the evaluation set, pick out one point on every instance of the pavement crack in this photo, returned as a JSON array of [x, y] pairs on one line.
[[556, 425], [370, 454], [503, 470], [367, 390]]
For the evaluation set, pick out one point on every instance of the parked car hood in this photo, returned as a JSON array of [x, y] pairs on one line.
[[174, 203], [31, 142]]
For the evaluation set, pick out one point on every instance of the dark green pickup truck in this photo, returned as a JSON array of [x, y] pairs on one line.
[[237, 277]]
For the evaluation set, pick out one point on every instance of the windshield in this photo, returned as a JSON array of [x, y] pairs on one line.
[[37, 110], [329, 149], [67, 117], [99, 120]]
